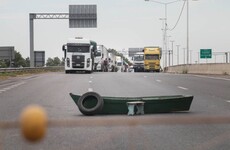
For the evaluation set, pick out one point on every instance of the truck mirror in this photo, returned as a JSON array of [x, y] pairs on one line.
[[63, 47]]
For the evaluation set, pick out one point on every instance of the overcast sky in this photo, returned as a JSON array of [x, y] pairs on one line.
[[121, 24]]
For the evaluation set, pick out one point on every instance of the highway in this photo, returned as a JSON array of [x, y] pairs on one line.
[[51, 91]]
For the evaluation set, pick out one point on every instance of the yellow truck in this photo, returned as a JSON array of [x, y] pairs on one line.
[[152, 57]]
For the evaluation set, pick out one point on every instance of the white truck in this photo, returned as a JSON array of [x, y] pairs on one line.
[[119, 62], [138, 62], [79, 55], [101, 55]]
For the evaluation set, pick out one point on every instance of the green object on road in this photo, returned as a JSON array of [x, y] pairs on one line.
[[91, 103]]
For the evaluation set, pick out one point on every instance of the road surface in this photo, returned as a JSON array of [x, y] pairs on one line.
[[51, 91]]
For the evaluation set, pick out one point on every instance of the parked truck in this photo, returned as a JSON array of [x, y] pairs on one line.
[[79, 55], [138, 62], [152, 57]]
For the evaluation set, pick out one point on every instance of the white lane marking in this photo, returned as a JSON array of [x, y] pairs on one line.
[[90, 81], [11, 87], [183, 88], [158, 80], [91, 77], [212, 77], [228, 101], [90, 89], [8, 88]]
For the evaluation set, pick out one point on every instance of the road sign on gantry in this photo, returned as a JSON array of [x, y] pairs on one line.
[[205, 53], [7, 52], [82, 16]]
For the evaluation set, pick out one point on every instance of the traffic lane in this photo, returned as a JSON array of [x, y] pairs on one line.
[[217, 87], [210, 95], [48, 90], [131, 84], [137, 136], [62, 138]]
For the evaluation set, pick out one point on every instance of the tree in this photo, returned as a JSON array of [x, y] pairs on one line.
[[19, 61], [3, 64], [50, 62], [53, 62], [57, 61], [27, 62]]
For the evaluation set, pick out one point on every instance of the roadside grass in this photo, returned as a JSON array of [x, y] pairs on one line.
[[6, 75]]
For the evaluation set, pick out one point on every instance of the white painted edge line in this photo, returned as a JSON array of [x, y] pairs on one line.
[[158, 80], [183, 88], [90, 89], [211, 77], [11, 87], [228, 101]]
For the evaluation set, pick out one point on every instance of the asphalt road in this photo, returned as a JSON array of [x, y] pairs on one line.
[[51, 91]]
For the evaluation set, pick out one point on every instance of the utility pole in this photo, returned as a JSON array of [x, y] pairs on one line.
[[172, 52], [226, 57], [184, 54], [178, 46], [187, 31]]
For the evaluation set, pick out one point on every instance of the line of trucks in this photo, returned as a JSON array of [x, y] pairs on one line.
[[85, 55], [148, 60]]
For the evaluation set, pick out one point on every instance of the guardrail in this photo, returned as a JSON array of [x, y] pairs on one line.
[[31, 69], [215, 68]]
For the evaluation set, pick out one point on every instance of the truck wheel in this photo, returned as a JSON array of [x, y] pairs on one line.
[[90, 103]]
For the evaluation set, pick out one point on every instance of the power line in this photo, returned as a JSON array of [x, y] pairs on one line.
[[179, 17]]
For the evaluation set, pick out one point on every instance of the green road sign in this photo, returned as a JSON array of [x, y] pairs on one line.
[[205, 53]]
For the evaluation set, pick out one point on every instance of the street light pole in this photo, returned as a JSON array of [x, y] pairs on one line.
[[184, 54], [165, 28], [178, 54], [172, 52], [187, 31]]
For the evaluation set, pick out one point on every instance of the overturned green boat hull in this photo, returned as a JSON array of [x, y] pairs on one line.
[[118, 105]]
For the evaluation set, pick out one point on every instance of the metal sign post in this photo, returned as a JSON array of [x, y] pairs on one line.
[[80, 16]]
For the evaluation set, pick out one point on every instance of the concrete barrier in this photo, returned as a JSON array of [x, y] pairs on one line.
[[221, 68]]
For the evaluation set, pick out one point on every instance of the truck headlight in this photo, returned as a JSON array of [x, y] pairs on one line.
[[88, 62], [68, 62]]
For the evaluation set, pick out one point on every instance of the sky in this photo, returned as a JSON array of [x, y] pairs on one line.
[[122, 24]]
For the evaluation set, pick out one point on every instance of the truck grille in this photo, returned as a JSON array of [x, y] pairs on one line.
[[151, 65], [78, 61]]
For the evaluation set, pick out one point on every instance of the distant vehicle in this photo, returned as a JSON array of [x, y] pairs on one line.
[[138, 62], [152, 56], [79, 55], [101, 55], [119, 62]]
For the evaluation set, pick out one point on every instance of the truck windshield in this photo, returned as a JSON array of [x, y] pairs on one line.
[[151, 57], [138, 58], [80, 49], [98, 53]]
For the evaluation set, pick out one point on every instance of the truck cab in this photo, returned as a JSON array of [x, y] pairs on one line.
[[138, 62], [79, 55], [152, 56]]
